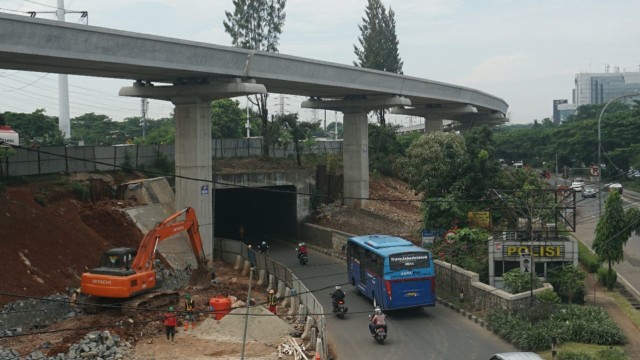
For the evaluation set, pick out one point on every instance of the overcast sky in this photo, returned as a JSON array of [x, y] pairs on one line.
[[524, 51]]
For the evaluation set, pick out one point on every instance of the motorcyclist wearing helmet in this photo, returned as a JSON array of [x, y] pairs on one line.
[[378, 319], [263, 247], [337, 295], [301, 249]]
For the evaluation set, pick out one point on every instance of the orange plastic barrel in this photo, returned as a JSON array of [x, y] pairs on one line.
[[220, 306]]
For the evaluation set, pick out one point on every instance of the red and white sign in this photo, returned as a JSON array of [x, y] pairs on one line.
[[448, 237], [9, 136]]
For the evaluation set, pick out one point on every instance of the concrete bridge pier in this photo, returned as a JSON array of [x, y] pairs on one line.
[[355, 149], [194, 175]]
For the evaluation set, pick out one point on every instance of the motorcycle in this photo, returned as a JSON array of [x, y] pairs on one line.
[[303, 258], [339, 309], [379, 332]]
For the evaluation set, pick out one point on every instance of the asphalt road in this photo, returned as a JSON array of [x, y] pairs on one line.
[[429, 333], [588, 217]]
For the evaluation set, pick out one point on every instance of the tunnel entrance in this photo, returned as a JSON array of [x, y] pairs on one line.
[[259, 211]]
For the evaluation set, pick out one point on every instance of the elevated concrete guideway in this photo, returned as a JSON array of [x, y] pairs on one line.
[[33, 44], [192, 74]]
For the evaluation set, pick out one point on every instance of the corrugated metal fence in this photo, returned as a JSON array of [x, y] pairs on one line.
[[61, 159]]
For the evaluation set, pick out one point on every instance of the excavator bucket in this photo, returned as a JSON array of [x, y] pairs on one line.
[[200, 277]]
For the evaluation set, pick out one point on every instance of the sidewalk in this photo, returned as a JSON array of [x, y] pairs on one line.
[[628, 276]]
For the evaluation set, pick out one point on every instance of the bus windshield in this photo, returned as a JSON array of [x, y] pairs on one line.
[[409, 261]]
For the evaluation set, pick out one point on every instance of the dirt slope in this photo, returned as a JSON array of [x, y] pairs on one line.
[[49, 238]]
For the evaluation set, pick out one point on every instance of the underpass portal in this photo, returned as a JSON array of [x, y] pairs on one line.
[[249, 213]]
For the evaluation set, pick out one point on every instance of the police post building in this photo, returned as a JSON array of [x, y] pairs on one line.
[[515, 250]]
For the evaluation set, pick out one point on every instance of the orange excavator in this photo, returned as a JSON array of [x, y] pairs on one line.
[[127, 275]]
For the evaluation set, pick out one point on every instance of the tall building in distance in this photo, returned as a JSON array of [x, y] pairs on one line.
[[600, 88], [596, 89], [562, 110]]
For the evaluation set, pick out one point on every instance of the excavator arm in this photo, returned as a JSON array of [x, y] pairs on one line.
[[165, 229], [127, 282]]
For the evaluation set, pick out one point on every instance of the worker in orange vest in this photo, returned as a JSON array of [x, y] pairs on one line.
[[170, 322]]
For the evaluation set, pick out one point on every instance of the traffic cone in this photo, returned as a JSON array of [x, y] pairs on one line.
[[186, 325], [317, 356]]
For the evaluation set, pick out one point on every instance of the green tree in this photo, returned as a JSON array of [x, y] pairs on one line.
[[568, 281], [295, 131], [378, 43], [517, 281], [35, 128], [612, 231], [227, 119], [257, 25], [433, 166], [384, 148]]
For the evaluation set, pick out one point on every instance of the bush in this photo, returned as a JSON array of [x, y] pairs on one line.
[[570, 323], [587, 258], [572, 355], [81, 191], [605, 354], [548, 296], [607, 277]]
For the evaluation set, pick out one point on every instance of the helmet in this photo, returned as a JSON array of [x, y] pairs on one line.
[[338, 287], [302, 244], [264, 243], [187, 296], [170, 308], [378, 310], [271, 291]]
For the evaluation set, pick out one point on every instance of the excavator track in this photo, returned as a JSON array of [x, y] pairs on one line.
[[151, 301]]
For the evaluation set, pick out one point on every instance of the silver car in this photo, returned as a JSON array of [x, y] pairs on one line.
[[516, 356], [589, 191]]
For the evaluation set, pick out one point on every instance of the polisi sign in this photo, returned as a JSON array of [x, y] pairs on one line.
[[535, 250]]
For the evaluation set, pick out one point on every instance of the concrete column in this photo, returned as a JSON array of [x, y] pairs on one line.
[[246, 267], [238, 263], [193, 160], [295, 303], [281, 289], [262, 274], [313, 338], [302, 313], [307, 328], [356, 159], [272, 283], [432, 125], [287, 297]]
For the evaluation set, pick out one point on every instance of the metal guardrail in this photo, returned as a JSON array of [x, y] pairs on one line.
[[228, 250]]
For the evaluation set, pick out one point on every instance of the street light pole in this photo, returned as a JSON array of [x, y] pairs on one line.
[[600, 148]]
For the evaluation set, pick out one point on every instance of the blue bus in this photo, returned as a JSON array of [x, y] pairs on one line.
[[391, 271]]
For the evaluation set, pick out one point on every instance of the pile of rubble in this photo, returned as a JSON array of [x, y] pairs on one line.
[[95, 345], [34, 313]]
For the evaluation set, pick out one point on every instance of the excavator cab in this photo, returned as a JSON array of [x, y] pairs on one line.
[[116, 262]]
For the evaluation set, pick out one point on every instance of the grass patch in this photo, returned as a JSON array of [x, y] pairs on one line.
[[629, 311], [590, 349]]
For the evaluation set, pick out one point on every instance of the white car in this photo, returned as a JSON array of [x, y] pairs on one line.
[[577, 186]]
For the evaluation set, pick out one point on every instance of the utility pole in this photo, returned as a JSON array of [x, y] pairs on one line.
[[144, 107], [64, 124], [246, 319]]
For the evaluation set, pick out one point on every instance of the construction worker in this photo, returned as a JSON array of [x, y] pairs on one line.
[[170, 322], [189, 307], [272, 301]]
